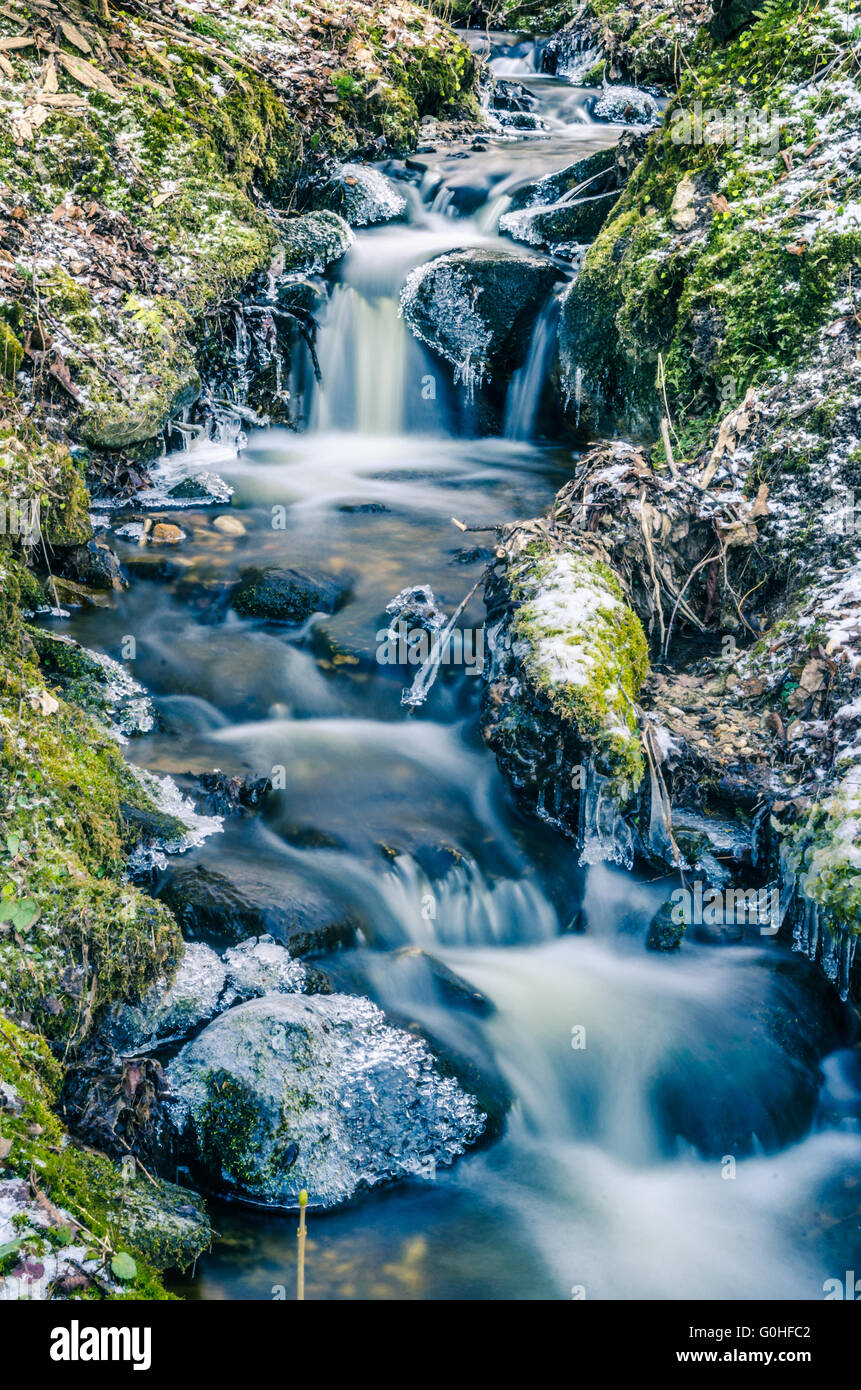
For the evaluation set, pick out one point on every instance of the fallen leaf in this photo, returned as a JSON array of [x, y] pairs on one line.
[[88, 75], [75, 36], [719, 202], [49, 76], [44, 702], [797, 248]]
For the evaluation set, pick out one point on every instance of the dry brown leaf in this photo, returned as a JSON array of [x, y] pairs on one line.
[[797, 248], [5, 1149], [75, 36], [786, 156], [49, 76], [88, 75], [6, 67], [19, 41], [719, 202], [36, 116], [44, 702], [67, 100]]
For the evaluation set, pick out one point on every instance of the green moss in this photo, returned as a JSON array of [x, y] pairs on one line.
[[231, 1128], [70, 811], [146, 1218], [585, 650], [11, 353], [735, 300]]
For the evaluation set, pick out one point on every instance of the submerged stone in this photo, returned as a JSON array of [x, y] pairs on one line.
[[289, 1092], [666, 929], [285, 595]]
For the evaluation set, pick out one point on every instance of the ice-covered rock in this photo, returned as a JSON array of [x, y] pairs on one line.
[[361, 194], [626, 105], [477, 308], [170, 1011], [262, 966], [314, 240], [289, 1092], [204, 985], [563, 224]]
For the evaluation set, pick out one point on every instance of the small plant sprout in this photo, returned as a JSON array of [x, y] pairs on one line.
[[302, 1232]]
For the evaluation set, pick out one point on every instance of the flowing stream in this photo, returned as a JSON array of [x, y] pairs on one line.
[[669, 1135]]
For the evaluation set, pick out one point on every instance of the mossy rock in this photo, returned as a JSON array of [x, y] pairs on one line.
[[583, 648]]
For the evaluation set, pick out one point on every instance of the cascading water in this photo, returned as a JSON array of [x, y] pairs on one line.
[[630, 1078]]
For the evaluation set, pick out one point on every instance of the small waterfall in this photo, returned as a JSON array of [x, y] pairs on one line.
[[363, 352], [527, 384]]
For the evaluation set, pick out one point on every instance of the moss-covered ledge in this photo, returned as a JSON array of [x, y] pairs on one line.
[[83, 1205], [568, 657], [724, 252]]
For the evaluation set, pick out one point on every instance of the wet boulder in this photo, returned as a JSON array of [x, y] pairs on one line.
[[288, 1092], [285, 595], [477, 309], [559, 226], [597, 171], [314, 241], [667, 928], [626, 106], [212, 905], [512, 96], [171, 1009], [359, 193], [94, 564], [202, 488]]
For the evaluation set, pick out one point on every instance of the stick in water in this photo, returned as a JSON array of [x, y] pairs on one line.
[[300, 1273]]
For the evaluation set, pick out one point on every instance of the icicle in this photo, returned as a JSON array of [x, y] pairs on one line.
[[604, 833]]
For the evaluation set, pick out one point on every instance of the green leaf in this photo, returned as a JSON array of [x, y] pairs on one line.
[[10, 1247], [26, 913], [123, 1267], [8, 908], [13, 844]]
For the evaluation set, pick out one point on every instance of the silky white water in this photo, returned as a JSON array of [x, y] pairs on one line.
[[664, 1136]]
